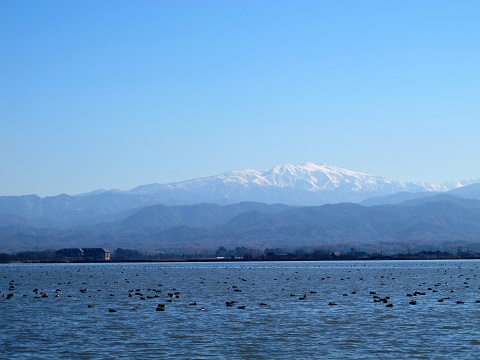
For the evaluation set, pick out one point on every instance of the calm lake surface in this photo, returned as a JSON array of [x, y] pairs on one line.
[[74, 321]]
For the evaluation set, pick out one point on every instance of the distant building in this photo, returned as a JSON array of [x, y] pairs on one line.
[[96, 253], [84, 254], [70, 253]]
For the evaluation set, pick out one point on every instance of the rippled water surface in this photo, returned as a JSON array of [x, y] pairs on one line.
[[342, 314]]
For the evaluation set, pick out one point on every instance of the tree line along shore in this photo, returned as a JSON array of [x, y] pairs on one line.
[[238, 254]]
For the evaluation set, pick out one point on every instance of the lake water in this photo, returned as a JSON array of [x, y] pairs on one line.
[[74, 321]]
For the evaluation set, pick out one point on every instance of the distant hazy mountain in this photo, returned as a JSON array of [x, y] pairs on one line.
[[298, 185], [65, 210], [440, 222], [306, 184], [467, 192], [396, 198]]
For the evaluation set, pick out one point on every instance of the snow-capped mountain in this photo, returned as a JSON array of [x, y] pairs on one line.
[[299, 185], [311, 177], [304, 184]]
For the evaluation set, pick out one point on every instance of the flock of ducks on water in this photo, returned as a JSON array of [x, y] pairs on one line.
[[173, 295]]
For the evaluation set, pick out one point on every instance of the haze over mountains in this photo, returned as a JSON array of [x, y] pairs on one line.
[[299, 185], [305, 184], [232, 209]]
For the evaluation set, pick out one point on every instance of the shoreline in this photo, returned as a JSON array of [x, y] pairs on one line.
[[202, 260]]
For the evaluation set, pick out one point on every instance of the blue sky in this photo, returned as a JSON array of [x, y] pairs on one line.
[[115, 94]]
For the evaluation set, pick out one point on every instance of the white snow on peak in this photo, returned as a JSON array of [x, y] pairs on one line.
[[307, 176], [446, 186], [303, 177]]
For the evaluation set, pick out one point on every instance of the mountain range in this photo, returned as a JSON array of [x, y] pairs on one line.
[[305, 184], [299, 185], [289, 205]]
